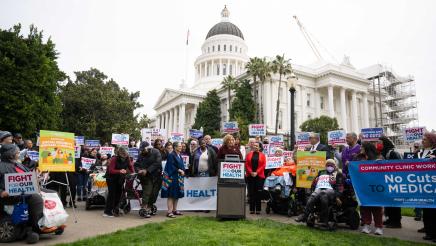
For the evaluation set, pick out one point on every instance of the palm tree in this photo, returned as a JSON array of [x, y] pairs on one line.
[[264, 73], [253, 69], [283, 67], [229, 84]]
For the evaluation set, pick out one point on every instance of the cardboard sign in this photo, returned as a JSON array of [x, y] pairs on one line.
[[77, 151], [193, 133], [274, 162], [56, 151], [19, 183], [120, 139], [257, 130], [33, 155], [92, 143], [232, 170], [308, 166], [176, 137], [302, 139], [371, 134], [80, 140], [217, 142], [413, 134], [336, 137], [87, 163], [134, 152], [230, 127], [107, 151], [186, 161], [276, 140]]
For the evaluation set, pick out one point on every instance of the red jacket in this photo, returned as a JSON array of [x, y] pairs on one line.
[[113, 163], [260, 167]]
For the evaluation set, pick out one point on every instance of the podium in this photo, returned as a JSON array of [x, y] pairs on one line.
[[231, 189]]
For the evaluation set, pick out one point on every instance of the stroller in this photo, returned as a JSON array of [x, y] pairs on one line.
[[281, 198], [98, 193], [132, 191]]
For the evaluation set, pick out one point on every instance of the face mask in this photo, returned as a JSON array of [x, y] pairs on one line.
[[379, 147], [330, 169]]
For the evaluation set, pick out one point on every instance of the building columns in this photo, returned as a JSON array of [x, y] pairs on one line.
[[343, 109], [354, 121], [182, 118], [331, 102], [212, 69], [365, 110]]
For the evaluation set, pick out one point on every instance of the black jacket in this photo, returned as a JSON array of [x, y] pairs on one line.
[[8, 167], [152, 162]]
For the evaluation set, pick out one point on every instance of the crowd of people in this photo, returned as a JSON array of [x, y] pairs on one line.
[[204, 159]]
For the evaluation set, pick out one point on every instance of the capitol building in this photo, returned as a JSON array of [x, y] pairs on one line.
[[374, 96]]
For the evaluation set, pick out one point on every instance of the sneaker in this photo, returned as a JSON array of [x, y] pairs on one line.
[[366, 229], [378, 231], [266, 188], [108, 215]]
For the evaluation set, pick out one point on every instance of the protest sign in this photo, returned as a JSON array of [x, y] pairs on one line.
[[274, 162], [107, 150], [230, 127], [193, 133], [33, 155], [87, 163], [134, 152], [308, 166], [395, 183], [257, 130], [272, 150], [92, 143], [413, 134], [77, 151], [186, 161], [288, 154], [371, 134], [409, 155], [336, 137], [120, 139], [19, 183], [149, 134], [232, 170], [276, 140], [176, 137], [266, 149], [217, 142], [302, 139], [56, 151], [80, 140]]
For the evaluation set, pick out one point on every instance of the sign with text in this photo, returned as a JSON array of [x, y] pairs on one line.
[[274, 150], [92, 143], [230, 127], [134, 152], [77, 150], [120, 139], [308, 166], [107, 151], [232, 170], [266, 148], [302, 139], [176, 137], [288, 154], [395, 183], [80, 140], [186, 161], [371, 134], [149, 134], [413, 134], [19, 183], [56, 151], [409, 155], [217, 142], [257, 130], [193, 133], [274, 162], [276, 140], [33, 155], [336, 137], [87, 162]]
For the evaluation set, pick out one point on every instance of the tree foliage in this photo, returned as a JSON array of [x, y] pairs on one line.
[[243, 109], [29, 79], [320, 125], [209, 114], [96, 107]]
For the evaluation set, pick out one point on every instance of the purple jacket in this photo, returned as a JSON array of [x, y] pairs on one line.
[[348, 155]]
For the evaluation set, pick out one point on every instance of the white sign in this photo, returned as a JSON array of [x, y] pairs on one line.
[[87, 163], [273, 162], [276, 140], [230, 127], [336, 137], [19, 183], [120, 139], [186, 161], [217, 142], [302, 138], [413, 134], [272, 149], [33, 155], [232, 170], [107, 151], [149, 134], [257, 130], [176, 137]]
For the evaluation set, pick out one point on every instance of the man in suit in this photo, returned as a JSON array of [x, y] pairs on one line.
[[315, 145]]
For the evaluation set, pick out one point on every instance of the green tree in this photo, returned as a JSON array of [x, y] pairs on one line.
[[143, 122], [265, 70], [253, 69], [243, 109], [29, 80], [320, 125], [229, 84], [283, 67], [209, 114], [96, 107]]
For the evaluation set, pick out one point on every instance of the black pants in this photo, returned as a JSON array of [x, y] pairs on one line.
[[150, 189], [394, 215], [321, 198], [254, 187], [429, 218], [115, 188]]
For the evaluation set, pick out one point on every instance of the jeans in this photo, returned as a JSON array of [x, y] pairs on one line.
[[82, 185]]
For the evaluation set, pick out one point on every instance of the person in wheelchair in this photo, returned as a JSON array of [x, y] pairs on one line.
[[276, 181], [327, 188]]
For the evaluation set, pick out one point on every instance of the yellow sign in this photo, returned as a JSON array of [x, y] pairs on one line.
[[308, 166], [56, 151]]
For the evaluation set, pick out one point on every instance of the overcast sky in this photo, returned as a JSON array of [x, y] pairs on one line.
[[141, 44]]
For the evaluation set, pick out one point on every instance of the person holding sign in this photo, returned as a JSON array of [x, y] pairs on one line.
[[315, 145], [255, 175]]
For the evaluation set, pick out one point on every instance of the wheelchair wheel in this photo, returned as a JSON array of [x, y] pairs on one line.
[[154, 209], [332, 223], [311, 220], [59, 231], [142, 212], [8, 231], [354, 220], [125, 206]]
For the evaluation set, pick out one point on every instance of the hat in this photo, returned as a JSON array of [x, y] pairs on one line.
[[143, 145], [18, 135], [330, 162], [4, 134], [7, 151]]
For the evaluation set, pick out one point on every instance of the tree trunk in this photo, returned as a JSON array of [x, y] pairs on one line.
[[278, 103], [229, 101], [261, 103], [255, 99]]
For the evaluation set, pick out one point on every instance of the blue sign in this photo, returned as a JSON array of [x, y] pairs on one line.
[[195, 133], [134, 152], [80, 140], [409, 155], [92, 143], [371, 134], [395, 183], [33, 155]]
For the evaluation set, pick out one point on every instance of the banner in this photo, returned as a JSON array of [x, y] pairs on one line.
[[276, 140], [274, 162], [56, 151], [77, 150], [92, 143], [120, 139], [302, 139], [186, 161], [232, 170], [308, 166], [176, 137], [87, 163], [80, 140], [257, 130], [33, 155], [19, 183], [193, 133], [371, 134], [230, 127], [134, 152], [217, 142], [336, 137], [395, 183], [413, 134], [107, 151]]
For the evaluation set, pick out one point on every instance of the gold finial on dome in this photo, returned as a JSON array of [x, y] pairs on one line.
[[225, 14]]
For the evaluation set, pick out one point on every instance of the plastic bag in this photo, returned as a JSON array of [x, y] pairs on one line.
[[54, 213], [20, 215]]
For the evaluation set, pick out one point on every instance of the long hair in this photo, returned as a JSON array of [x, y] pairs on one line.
[[387, 145], [370, 151]]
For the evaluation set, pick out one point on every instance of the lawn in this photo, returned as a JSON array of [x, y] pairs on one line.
[[200, 231]]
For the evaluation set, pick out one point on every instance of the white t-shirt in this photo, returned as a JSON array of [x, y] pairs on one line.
[[202, 162]]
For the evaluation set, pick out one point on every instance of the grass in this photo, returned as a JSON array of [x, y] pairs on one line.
[[200, 231], [407, 212]]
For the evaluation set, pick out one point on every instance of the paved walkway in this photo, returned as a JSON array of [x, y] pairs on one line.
[[91, 223]]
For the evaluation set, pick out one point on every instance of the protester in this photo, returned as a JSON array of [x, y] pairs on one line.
[[28, 145], [132, 144], [259, 140], [205, 162], [158, 145], [168, 149], [119, 166], [5, 138], [229, 148], [277, 179], [208, 140], [149, 169], [18, 140], [387, 150], [241, 148], [185, 150], [173, 177], [350, 152], [83, 176], [255, 167], [315, 145]]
